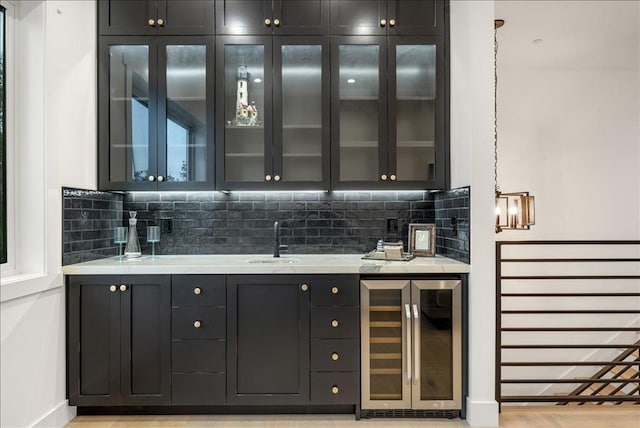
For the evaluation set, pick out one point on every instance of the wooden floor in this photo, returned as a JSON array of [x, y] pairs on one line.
[[511, 417]]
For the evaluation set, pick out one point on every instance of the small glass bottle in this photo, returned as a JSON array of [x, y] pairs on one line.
[[132, 250]]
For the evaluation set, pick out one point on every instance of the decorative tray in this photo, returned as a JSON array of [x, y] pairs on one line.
[[375, 255]]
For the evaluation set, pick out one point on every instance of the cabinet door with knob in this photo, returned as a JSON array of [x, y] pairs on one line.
[[155, 112], [151, 17], [268, 339], [278, 17], [387, 17], [119, 340], [273, 99]]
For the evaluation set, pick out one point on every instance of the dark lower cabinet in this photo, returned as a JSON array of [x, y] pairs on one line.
[[118, 331], [268, 339]]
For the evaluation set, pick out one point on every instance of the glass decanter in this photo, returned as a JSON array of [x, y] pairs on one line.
[[132, 250]]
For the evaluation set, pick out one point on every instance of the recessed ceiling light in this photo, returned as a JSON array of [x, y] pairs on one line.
[[257, 80], [537, 41], [351, 80]]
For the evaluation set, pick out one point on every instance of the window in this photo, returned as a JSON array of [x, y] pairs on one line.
[[3, 143]]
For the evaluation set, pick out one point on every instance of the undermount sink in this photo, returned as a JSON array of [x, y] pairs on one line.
[[272, 261]]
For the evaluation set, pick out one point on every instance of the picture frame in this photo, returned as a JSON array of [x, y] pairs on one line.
[[422, 239]]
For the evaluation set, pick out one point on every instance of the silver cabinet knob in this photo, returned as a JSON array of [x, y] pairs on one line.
[[151, 178], [267, 177], [113, 288], [335, 356], [197, 291], [334, 323], [151, 22], [393, 177], [334, 290], [304, 287], [392, 22], [197, 324], [276, 178], [161, 22], [276, 22], [335, 390], [267, 22], [160, 178], [123, 287], [383, 22], [383, 177]]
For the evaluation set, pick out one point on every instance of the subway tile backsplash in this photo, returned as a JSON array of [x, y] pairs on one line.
[[242, 222], [88, 220]]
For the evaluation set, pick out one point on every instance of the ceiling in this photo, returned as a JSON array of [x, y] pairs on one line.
[[574, 33]]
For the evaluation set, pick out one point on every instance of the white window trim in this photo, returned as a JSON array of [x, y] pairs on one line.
[[10, 268]]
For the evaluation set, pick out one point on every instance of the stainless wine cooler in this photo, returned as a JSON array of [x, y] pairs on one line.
[[411, 344]]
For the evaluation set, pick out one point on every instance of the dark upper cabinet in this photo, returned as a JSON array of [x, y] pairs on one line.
[[119, 340], [272, 113], [388, 114], [278, 17], [387, 17], [155, 113], [268, 339], [151, 17]]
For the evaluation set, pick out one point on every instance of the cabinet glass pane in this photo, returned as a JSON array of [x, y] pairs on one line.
[[186, 113], [415, 111], [436, 345], [128, 113], [244, 106], [301, 113], [359, 100], [385, 348]]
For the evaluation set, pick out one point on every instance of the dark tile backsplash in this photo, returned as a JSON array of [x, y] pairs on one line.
[[242, 223], [88, 220], [452, 237]]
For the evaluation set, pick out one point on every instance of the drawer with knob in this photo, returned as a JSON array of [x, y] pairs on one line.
[[335, 388], [335, 355], [198, 323], [198, 290], [335, 322], [335, 290]]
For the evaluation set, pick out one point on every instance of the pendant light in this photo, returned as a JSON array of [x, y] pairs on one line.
[[514, 210]]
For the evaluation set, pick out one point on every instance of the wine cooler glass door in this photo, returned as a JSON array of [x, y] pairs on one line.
[[386, 344], [436, 335]]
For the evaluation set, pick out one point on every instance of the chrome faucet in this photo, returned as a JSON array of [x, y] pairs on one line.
[[277, 247]]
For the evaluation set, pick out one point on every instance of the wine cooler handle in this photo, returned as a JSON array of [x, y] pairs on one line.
[[416, 353], [408, 340]]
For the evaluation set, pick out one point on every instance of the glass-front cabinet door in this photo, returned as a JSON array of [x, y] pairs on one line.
[[244, 123], [437, 344], [301, 113], [359, 112], [415, 136], [185, 129], [128, 113], [386, 344], [274, 111]]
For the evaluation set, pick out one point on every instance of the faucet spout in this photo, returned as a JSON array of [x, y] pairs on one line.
[[277, 247]]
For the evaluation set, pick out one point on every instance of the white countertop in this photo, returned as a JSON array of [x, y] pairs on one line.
[[239, 264]]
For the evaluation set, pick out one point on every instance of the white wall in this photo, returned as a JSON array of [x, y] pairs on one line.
[[472, 164], [57, 139]]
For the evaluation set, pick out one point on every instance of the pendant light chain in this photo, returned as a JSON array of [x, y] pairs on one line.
[[495, 108]]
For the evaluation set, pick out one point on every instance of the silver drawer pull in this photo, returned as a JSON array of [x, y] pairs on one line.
[[335, 390], [334, 290], [335, 323], [335, 356], [197, 291], [197, 324]]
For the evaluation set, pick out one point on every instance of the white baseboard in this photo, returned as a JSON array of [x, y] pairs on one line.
[[482, 413], [58, 417]]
